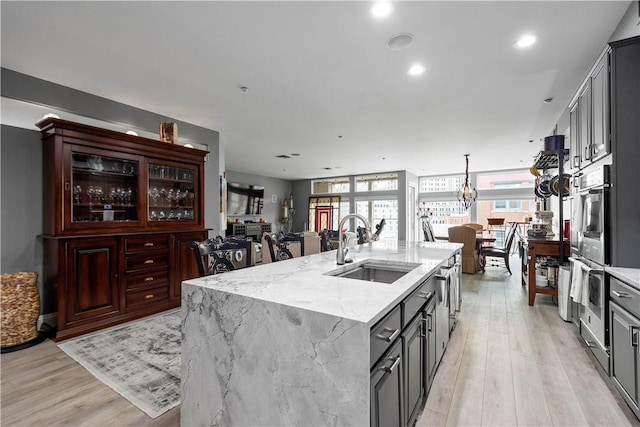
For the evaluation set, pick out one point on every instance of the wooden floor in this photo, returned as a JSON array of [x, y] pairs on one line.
[[507, 364]]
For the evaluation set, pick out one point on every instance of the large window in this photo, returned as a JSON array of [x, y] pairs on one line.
[[330, 185], [506, 179], [378, 182], [431, 184], [375, 211]]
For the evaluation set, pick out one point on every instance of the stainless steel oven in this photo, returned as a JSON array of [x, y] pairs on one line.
[[589, 214], [590, 252]]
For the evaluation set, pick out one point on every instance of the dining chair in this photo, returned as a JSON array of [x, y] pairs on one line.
[[466, 236], [501, 252], [477, 227], [427, 230], [212, 254]]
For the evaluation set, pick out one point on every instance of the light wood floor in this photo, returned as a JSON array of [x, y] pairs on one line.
[[507, 364]]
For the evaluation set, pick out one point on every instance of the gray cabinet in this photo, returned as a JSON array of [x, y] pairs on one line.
[[624, 338], [589, 114], [625, 149], [413, 354], [599, 110], [387, 394], [625, 359], [429, 315]]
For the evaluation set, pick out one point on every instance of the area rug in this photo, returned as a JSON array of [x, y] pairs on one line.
[[139, 360]]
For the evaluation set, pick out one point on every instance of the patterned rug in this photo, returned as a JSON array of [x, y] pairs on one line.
[[139, 360]]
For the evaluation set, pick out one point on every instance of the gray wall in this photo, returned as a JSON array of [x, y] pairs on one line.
[[21, 205], [272, 186]]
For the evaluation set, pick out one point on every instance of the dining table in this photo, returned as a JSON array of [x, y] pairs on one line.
[[482, 237]]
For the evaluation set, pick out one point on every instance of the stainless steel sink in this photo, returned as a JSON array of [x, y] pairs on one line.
[[375, 271]]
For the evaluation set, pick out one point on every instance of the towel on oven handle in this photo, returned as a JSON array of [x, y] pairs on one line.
[[579, 281]]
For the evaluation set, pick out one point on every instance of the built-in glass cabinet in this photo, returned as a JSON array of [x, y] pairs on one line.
[[171, 195], [103, 188], [120, 213]]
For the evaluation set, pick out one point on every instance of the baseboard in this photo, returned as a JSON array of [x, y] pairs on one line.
[[50, 319]]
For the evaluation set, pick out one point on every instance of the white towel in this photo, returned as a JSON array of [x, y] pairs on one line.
[[576, 280], [586, 270]]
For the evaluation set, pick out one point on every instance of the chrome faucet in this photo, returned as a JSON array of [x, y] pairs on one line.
[[342, 252]]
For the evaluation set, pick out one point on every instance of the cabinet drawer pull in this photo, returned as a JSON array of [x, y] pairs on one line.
[[621, 294], [149, 296], [589, 343], [633, 336], [148, 245], [148, 279], [149, 261], [425, 295], [389, 369], [394, 334]]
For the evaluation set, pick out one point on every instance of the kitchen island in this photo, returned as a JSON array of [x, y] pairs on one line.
[[287, 344]]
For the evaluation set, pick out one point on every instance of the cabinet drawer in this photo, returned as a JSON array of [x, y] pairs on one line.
[[416, 300], [384, 333], [625, 296], [147, 278], [146, 243], [147, 296], [147, 260]]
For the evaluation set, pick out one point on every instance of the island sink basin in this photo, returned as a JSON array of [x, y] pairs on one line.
[[375, 271]]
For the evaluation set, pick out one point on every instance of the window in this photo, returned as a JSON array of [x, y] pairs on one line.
[[507, 205], [506, 179], [431, 184], [330, 185], [379, 182], [375, 211]]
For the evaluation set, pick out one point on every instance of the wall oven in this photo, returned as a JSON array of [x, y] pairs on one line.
[[589, 216], [590, 253]]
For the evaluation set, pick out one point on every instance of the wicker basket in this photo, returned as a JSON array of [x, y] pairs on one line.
[[19, 309]]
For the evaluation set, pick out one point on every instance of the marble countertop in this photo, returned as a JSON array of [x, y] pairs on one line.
[[627, 275], [302, 282]]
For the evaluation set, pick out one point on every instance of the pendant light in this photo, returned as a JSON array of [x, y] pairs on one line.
[[467, 195]]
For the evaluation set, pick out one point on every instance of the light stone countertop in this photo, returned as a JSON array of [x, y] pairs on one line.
[[630, 276], [286, 344], [302, 283]]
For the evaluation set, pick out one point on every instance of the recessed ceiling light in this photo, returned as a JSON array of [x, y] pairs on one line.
[[416, 70], [526, 41], [381, 9], [548, 100], [399, 41], [295, 154]]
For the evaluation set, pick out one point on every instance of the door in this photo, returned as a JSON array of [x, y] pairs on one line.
[[600, 108], [413, 353], [412, 232], [584, 123], [92, 280], [624, 351], [387, 394], [430, 343], [574, 137]]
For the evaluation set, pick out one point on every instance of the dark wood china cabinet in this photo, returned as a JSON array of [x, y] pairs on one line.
[[119, 214]]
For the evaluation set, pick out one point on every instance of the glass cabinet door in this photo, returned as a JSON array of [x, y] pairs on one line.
[[104, 189], [171, 193]]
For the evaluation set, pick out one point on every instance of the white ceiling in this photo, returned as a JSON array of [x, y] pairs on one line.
[[320, 70]]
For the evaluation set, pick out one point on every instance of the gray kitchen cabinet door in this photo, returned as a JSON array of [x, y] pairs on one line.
[[600, 109], [387, 391], [430, 343], [624, 354], [413, 355]]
